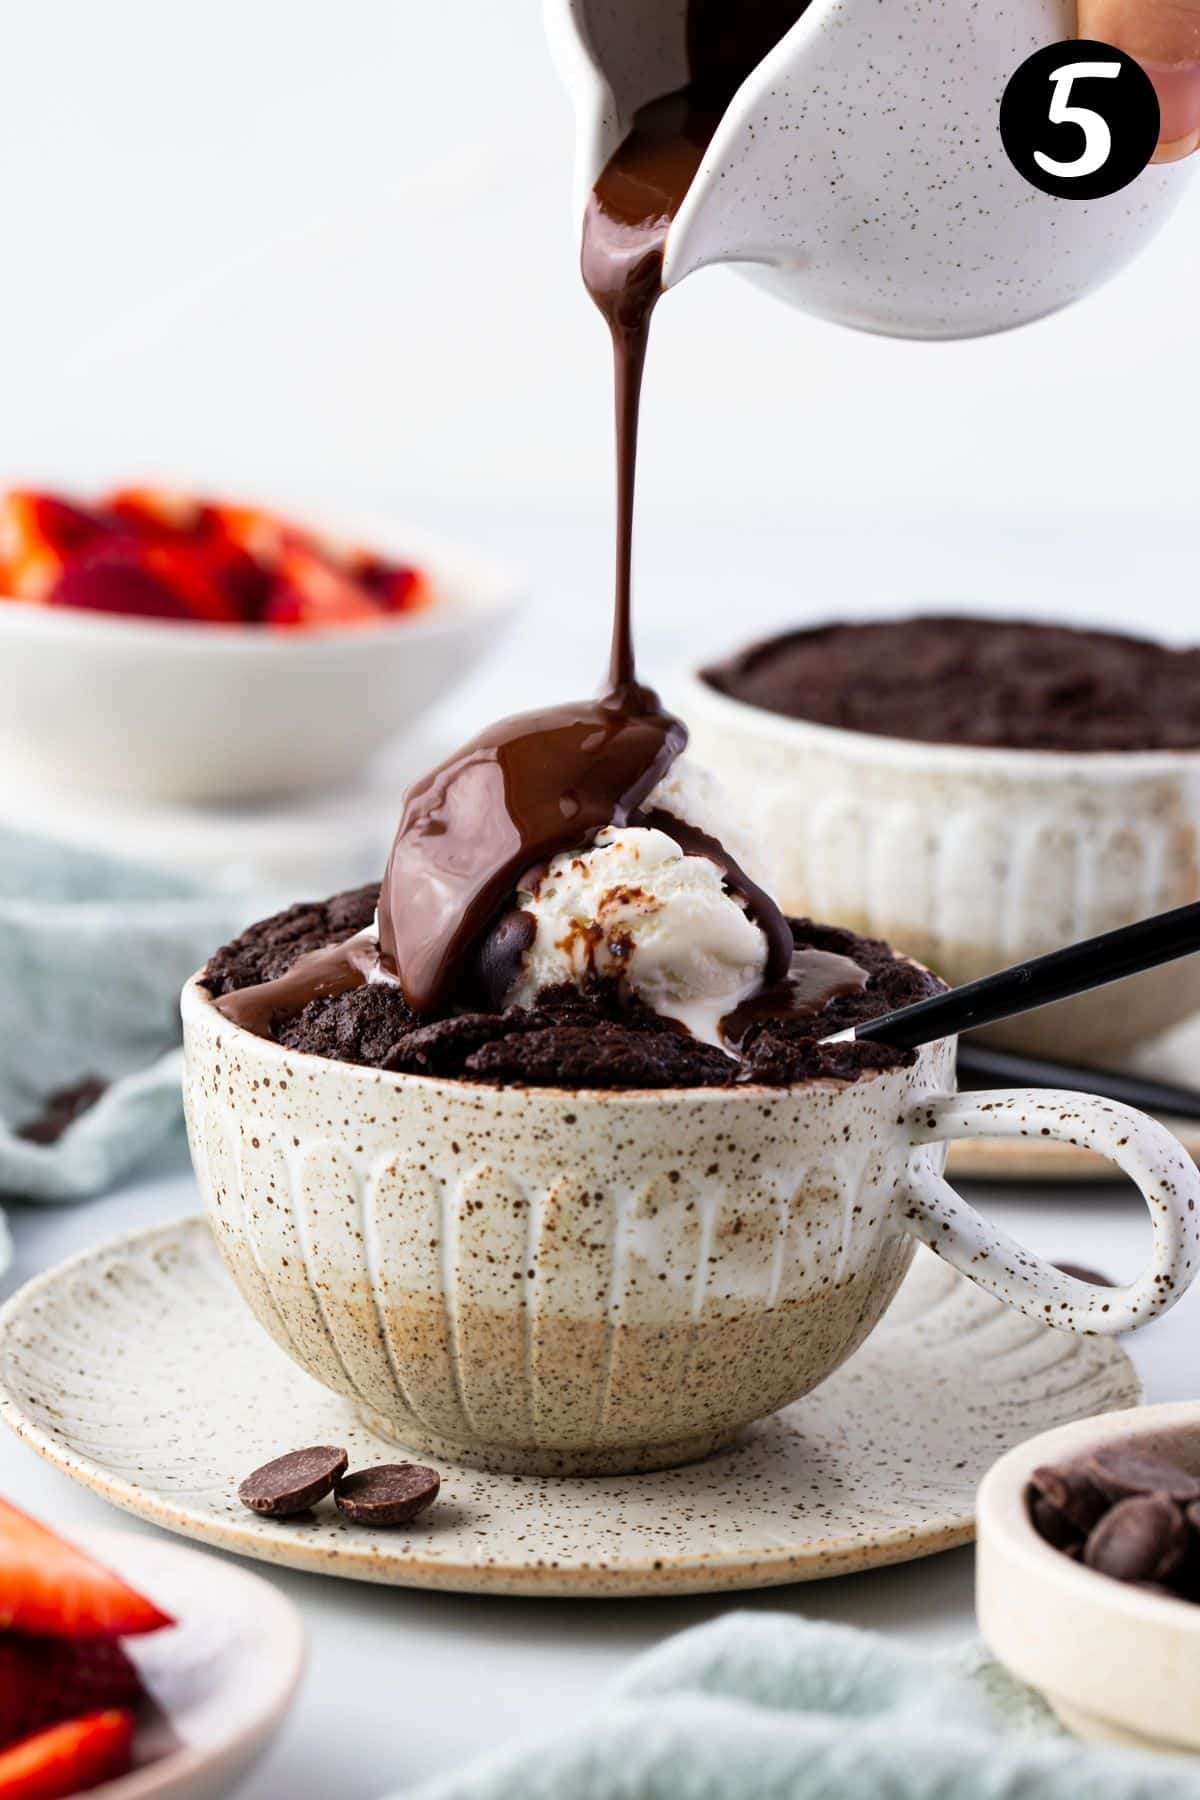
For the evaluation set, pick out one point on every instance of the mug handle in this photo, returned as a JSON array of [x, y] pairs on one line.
[[1165, 1176]]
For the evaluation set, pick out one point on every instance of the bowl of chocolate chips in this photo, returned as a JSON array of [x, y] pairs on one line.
[[976, 791], [1088, 1573]]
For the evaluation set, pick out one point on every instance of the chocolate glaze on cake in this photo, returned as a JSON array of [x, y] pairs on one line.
[[269, 949], [1009, 684], [594, 1038]]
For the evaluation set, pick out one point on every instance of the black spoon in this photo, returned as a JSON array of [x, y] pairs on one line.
[[1057, 976]]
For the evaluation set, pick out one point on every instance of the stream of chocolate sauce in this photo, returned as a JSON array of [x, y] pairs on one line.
[[539, 783], [630, 212], [545, 782]]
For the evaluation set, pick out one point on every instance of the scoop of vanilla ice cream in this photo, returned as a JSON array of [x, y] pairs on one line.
[[693, 793], [633, 906]]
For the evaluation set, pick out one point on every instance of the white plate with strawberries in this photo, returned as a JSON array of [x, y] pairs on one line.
[[132, 1668]]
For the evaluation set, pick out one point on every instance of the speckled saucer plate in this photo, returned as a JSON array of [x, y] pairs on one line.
[[219, 1682], [138, 1370], [1174, 1057]]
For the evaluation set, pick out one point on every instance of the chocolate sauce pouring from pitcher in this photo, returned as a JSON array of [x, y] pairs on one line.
[[534, 785], [630, 211]]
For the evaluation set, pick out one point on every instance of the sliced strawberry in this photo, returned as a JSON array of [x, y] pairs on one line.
[[146, 581], [33, 576], [313, 594], [117, 580], [46, 1680], [29, 517], [68, 1759], [48, 1588], [405, 590], [154, 514], [38, 533], [216, 574], [235, 573], [260, 534], [195, 579], [398, 587]]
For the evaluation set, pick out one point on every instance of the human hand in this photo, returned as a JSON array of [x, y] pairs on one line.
[[1164, 36]]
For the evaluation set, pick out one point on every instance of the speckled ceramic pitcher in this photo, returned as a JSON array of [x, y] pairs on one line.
[[859, 171], [576, 1281]]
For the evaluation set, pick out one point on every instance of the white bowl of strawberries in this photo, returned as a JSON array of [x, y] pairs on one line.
[[168, 647], [104, 1690]]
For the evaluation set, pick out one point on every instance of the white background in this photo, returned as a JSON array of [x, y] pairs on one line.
[[327, 249], [330, 248]]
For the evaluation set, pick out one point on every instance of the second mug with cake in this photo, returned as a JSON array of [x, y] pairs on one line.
[[978, 792]]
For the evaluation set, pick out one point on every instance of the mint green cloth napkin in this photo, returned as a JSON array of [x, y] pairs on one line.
[[762, 1707], [93, 953]]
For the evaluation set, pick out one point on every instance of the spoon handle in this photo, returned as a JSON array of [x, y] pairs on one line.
[[984, 1066], [1057, 976]]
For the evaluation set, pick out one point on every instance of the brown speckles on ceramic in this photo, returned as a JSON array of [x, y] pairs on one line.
[[138, 1370], [493, 1284]]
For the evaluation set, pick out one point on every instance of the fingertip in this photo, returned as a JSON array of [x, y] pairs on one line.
[[1178, 88], [1177, 149]]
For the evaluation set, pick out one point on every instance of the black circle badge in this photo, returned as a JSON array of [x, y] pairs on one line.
[[1079, 120]]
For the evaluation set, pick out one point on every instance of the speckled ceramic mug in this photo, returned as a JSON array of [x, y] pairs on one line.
[[970, 858], [549, 1280]]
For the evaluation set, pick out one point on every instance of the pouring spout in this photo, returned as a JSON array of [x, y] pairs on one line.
[[747, 202], [613, 58]]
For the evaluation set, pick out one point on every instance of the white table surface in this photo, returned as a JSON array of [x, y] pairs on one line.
[[402, 1683]]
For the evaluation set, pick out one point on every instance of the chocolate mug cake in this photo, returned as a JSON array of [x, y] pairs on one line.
[[585, 1189], [597, 1035], [573, 1234]]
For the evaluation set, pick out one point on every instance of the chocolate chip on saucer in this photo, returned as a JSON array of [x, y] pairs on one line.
[[392, 1494], [292, 1483]]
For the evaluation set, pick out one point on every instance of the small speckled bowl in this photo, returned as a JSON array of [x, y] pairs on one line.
[[971, 858], [554, 1281], [1118, 1664]]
